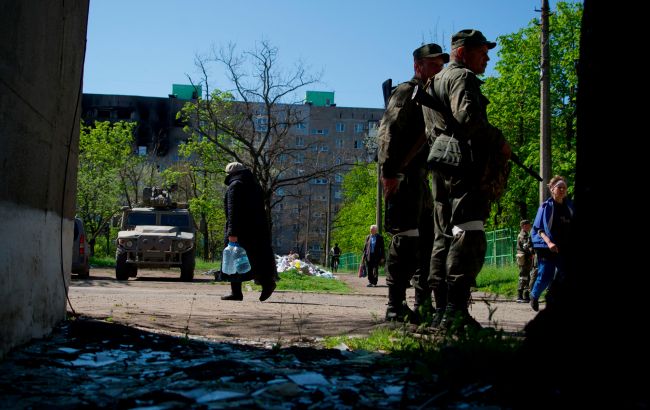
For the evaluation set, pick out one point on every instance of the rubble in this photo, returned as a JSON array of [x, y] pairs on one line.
[[94, 364]]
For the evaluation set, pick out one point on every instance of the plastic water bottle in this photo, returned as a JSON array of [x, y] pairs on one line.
[[242, 264], [228, 259]]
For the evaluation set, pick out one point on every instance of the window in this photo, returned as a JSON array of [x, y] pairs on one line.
[[314, 148], [338, 194], [261, 124], [103, 114], [358, 144], [358, 128], [279, 191], [301, 126], [340, 127], [300, 141], [338, 178], [135, 218], [338, 161], [324, 148], [181, 220], [299, 158], [339, 143], [323, 131], [319, 181]]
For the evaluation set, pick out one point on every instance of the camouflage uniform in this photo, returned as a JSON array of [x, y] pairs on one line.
[[525, 263], [461, 194], [408, 213]]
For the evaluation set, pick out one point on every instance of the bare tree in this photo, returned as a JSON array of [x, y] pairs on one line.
[[260, 122]]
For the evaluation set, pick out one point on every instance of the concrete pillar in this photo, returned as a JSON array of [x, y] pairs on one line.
[[42, 44]]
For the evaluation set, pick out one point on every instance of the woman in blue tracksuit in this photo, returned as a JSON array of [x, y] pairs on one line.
[[551, 237]]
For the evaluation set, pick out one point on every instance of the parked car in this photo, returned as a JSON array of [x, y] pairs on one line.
[[80, 264]]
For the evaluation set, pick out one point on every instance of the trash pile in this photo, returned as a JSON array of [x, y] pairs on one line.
[[283, 263], [293, 261]]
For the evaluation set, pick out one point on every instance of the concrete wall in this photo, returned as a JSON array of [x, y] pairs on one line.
[[42, 46]]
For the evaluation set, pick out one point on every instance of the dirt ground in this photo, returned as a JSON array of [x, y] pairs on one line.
[[158, 301]]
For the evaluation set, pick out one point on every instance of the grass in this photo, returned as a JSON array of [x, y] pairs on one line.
[[102, 261], [502, 280], [379, 340], [294, 281]]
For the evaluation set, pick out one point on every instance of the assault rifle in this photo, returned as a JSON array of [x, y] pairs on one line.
[[387, 89], [424, 98]]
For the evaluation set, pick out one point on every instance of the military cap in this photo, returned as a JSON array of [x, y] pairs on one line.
[[524, 222], [234, 167], [430, 50], [469, 37]]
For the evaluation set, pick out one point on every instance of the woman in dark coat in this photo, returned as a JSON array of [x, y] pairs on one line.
[[247, 224]]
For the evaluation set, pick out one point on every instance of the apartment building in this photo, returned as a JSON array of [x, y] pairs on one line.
[[327, 136]]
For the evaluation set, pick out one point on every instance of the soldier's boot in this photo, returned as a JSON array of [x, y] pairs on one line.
[[440, 296], [422, 307], [397, 310], [236, 293], [456, 317], [520, 296], [526, 296]]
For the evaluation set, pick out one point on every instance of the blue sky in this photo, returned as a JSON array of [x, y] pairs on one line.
[[142, 47]]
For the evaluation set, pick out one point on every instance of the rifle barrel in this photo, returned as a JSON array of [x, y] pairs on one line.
[[515, 158]]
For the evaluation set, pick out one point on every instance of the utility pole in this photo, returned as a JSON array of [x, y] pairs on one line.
[[545, 112], [308, 221], [329, 212]]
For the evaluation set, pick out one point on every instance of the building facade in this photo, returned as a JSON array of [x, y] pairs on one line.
[[327, 136]]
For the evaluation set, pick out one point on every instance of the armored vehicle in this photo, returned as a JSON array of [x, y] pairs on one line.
[[158, 234]]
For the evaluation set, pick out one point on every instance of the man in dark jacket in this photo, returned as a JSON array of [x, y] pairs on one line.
[[409, 207], [247, 224], [373, 255], [462, 141]]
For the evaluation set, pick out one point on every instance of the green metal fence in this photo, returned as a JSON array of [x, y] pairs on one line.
[[501, 250], [349, 261], [500, 247]]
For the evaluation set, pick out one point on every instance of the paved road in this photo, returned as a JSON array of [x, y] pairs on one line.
[[156, 300]]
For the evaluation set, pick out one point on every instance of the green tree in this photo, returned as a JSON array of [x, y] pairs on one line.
[[198, 180], [357, 213], [103, 150], [515, 107]]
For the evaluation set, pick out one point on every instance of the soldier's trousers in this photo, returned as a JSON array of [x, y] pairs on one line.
[[456, 257], [409, 218], [524, 276]]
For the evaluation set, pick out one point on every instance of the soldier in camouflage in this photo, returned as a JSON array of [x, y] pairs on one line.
[[461, 191], [524, 260], [402, 157]]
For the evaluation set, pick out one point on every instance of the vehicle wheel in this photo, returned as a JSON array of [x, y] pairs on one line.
[[122, 271], [133, 271], [187, 266]]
